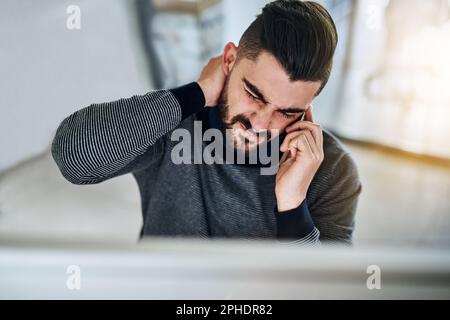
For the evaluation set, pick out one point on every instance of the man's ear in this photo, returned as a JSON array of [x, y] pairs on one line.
[[229, 58]]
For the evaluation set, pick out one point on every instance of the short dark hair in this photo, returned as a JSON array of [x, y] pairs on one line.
[[301, 35]]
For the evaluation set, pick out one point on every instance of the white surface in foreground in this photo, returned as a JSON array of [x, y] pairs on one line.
[[185, 269]]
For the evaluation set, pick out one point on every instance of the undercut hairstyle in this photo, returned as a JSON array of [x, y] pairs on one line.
[[301, 35]]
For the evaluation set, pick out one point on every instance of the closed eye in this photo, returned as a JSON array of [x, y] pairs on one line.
[[251, 95], [288, 115]]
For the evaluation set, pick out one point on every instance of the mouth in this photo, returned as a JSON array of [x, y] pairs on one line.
[[247, 133], [243, 127]]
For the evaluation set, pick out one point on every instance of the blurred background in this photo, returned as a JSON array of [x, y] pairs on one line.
[[388, 100]]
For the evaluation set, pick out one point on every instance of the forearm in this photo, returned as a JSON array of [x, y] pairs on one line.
[[96, 142]]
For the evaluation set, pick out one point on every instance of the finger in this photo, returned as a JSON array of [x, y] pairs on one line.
[[314, 148], [287, 140], [315, 129], [302, 125], [303, 147], [288, 154], [309, 114], [284, 157], [287, 159]]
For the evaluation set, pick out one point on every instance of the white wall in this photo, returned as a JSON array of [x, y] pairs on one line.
[[49, 71], [238, 16], [409, 104]]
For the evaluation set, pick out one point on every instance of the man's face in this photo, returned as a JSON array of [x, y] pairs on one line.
[[259, 97]]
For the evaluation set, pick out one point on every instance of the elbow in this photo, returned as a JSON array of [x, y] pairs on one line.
[[65, 157], [60, 156], [70, 172]]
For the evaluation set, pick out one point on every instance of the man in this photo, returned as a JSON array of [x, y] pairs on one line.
[[265, 84]]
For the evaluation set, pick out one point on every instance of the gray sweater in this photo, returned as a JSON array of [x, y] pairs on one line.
[[133, 135]]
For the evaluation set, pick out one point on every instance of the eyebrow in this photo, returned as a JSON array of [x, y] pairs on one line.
[[255, 90], [261, 97]]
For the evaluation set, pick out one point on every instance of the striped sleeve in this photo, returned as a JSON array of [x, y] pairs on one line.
[[312, 239], [105, 140], [334, 213]]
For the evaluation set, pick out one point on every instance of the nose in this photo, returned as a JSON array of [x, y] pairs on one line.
[[261, 120]]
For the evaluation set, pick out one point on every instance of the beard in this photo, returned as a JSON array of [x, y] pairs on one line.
[[239, 141]]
